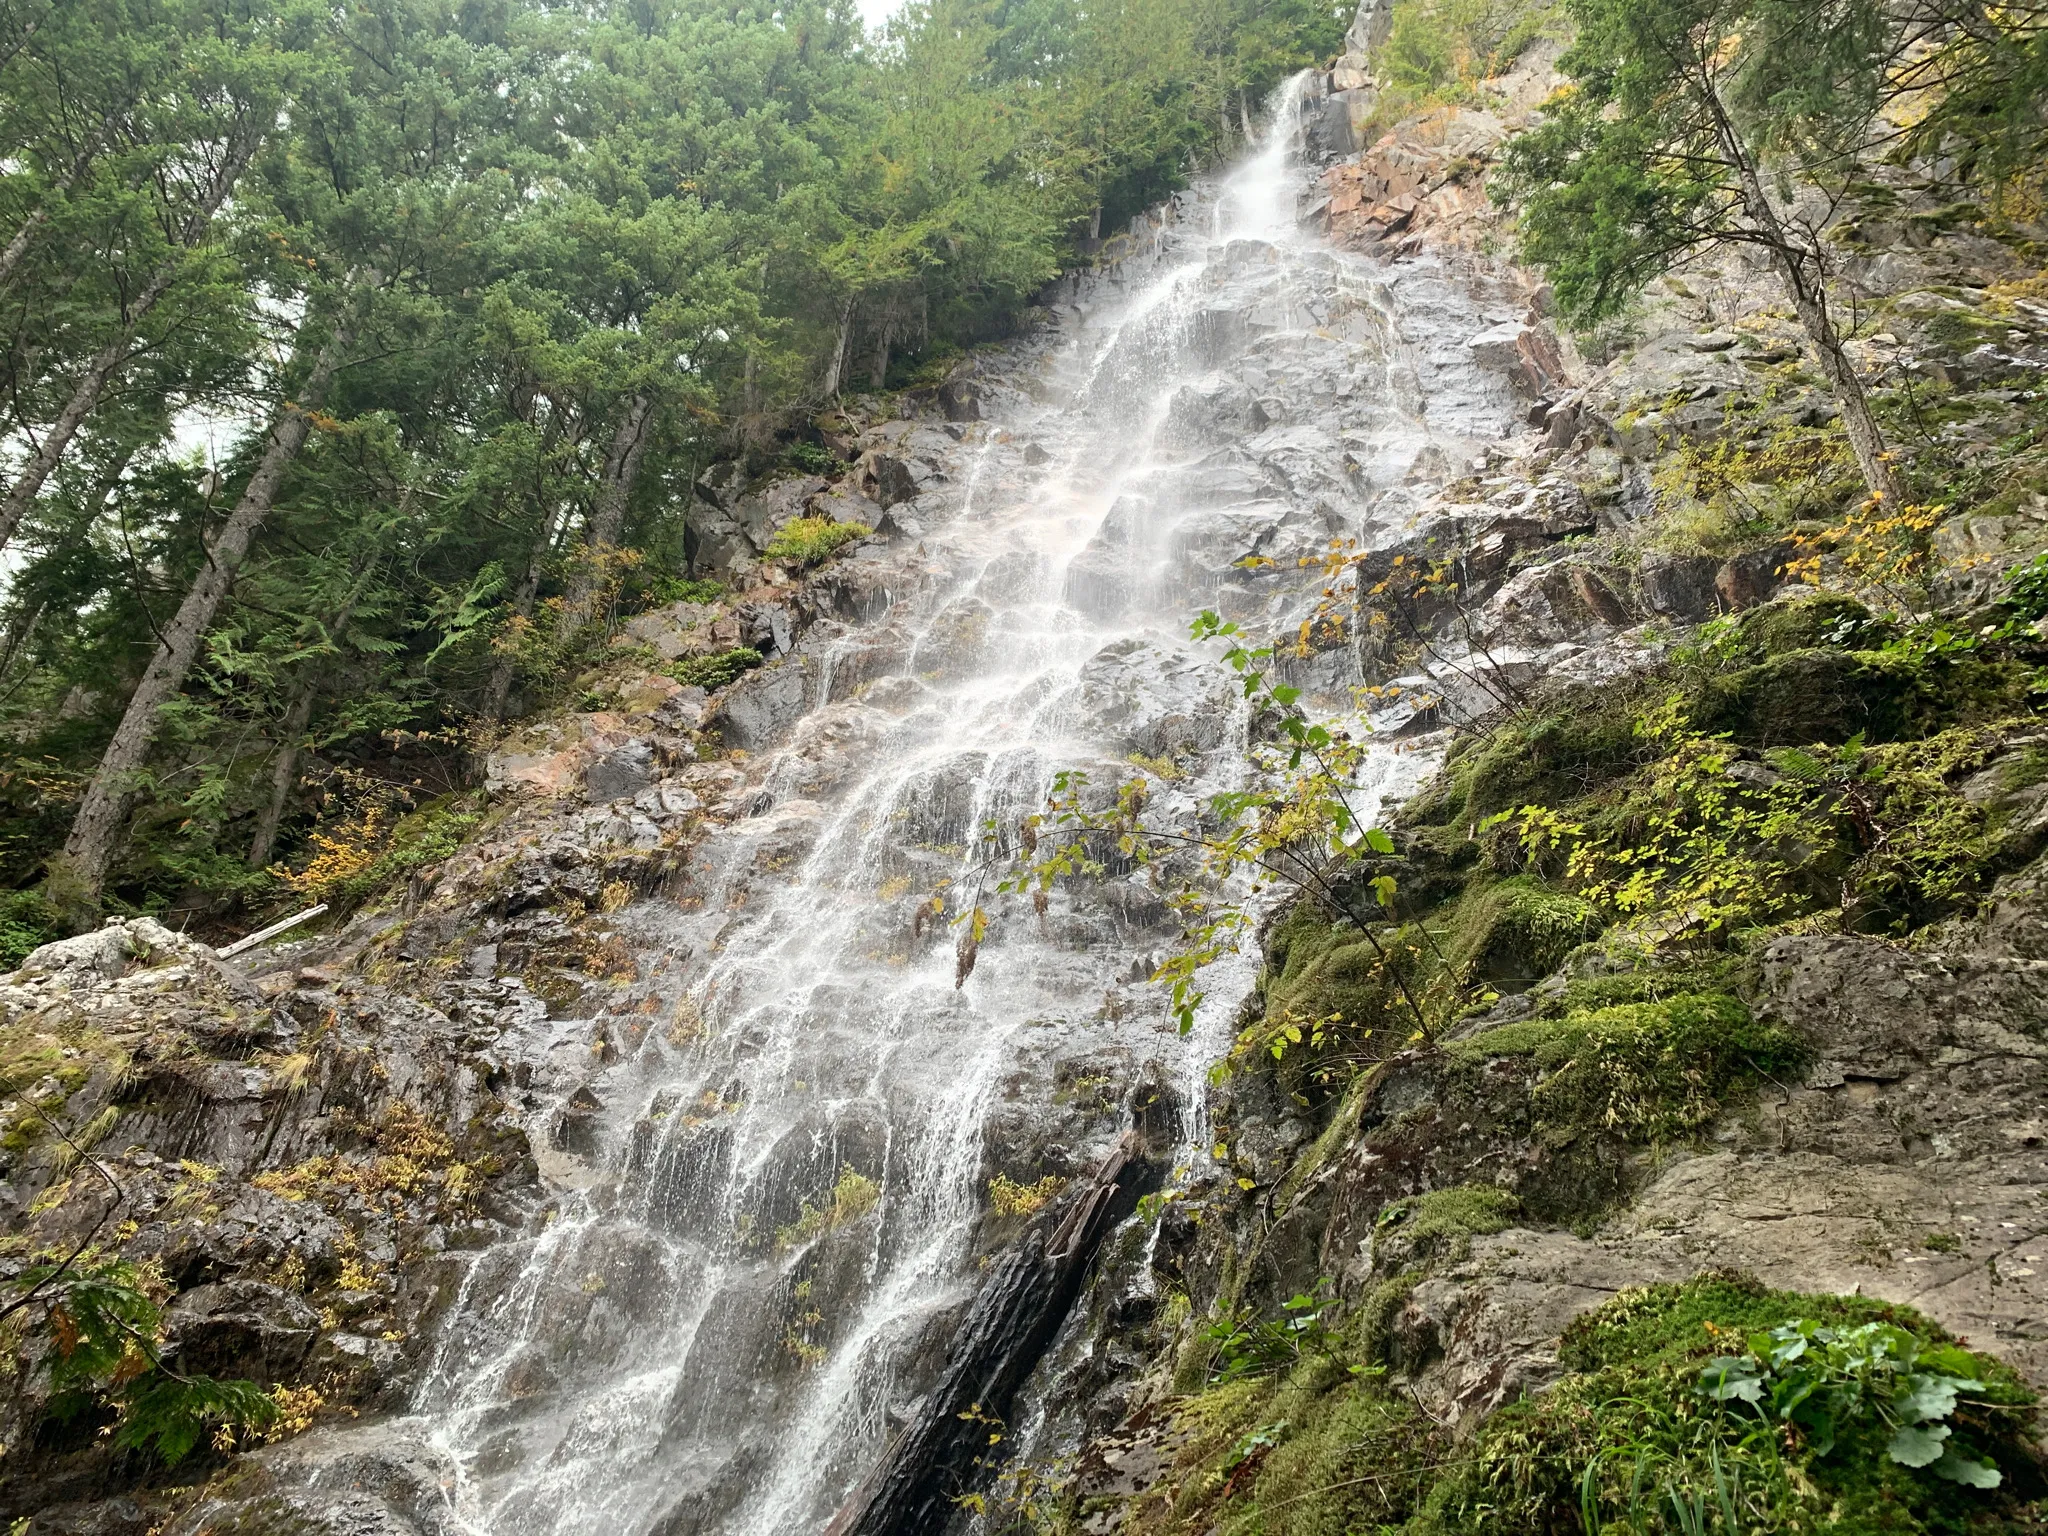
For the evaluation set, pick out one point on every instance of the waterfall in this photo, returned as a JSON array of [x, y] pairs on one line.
[[781, 1206]]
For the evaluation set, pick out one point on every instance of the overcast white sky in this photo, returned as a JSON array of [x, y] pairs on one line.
[[875, 12]]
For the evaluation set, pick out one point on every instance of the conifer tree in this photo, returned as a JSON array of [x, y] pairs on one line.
[[1700, 124]]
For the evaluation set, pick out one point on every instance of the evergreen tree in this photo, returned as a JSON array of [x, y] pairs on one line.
[[1697, 124]]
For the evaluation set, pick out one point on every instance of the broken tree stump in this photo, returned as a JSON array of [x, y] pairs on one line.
[[1029, 1292]]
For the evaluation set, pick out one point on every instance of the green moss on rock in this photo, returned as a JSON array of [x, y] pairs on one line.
[[1585, 740], [1624, 1439], [1442, 1223], [1518, 930], [1320, 967], [1649, 1072]]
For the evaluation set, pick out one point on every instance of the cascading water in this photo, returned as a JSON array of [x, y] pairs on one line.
[[780, 1209]]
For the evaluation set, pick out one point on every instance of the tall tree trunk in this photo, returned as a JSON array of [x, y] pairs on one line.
[[1802, 268], [837, 371], [50, 452], [882, 340], [504, 673], [1805, 281], [10, 258], [608, 512], [298, 714], [81, 869], [19, 633]]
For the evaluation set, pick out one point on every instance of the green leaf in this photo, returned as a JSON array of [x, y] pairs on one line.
[[1967, 1470], [1934, 1397], [170, 1416], [1918, 1446], [1731, 1378], [1377, 840]]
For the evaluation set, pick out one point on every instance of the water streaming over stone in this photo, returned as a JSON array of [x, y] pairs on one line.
[[778, 1199]]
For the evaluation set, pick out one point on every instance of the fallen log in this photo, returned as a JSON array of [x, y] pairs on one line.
[[940, 1453]]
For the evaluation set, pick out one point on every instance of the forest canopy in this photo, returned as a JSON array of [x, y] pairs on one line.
[[343, 338]]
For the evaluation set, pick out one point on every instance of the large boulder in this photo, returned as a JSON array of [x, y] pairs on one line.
[[243, 1328]]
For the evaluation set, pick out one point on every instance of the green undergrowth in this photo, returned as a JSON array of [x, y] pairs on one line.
[[1801, 767], [811, 540], [851, 1197], [1440, 51], [1442, 1223], [1546, 986], [362, 855], [102, 1327], [28, 920], [1717, 1405], [713, 672]]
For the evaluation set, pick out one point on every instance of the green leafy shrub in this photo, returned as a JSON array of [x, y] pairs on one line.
[[106, 1333], [810, 540], [1716, 1406], [1719, 1405], [712, 673], [1244, 1347], [662, 590], [369, 849], [811, 458], [2026, 593], [27, 922], [852, 1197], [1880, 836], [1440, 50], [1822, 1379]]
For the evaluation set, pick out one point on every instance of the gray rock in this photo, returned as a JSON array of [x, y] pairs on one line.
[[1155, 701], [106, 954], [762, 706], [674, 631], [242, 1328], [715, 539], [960, 399], [1525, 353], [891, 480], [761, 514], [845, 506], [619, 774]]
